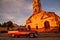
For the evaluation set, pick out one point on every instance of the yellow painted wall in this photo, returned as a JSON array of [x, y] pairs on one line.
[[37, 21]]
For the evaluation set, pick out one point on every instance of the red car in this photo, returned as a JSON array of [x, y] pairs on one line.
[[23, 32]]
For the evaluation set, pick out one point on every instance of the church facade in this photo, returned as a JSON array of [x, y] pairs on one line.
[[42, 20]]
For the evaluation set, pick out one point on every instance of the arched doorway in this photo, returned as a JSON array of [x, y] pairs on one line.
[[29, 28], [59, 27], [46, 25], [37, 27]]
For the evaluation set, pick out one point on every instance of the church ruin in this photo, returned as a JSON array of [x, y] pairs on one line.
[[42, 20]]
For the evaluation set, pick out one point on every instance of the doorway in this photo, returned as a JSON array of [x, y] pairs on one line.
[[46, 25], [29, 28]]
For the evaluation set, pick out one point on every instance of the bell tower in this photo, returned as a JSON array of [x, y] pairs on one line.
[[36, 6]]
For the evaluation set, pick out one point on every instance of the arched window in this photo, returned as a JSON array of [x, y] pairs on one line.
[[35, 10]]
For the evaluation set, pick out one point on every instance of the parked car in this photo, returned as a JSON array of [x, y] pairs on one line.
[[23, 32]]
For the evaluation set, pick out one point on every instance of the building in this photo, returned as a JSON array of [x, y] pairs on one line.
[[42, 20]]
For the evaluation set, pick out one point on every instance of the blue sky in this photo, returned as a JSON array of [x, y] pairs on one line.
[[18, 11]]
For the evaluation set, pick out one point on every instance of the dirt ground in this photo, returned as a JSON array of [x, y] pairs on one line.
[[42, 36]]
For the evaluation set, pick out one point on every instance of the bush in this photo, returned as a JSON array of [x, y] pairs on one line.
[[3, 31]]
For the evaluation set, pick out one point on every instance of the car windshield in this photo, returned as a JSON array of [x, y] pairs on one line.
[[24, 29]]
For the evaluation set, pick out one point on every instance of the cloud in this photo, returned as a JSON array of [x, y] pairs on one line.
[[6, 17], [20, 10], [20, 21], [10, 17], [15, 10], [15, 7]]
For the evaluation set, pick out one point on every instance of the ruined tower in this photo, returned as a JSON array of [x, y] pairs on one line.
[[36, 6]]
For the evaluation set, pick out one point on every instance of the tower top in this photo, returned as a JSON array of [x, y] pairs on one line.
[[37, 6]]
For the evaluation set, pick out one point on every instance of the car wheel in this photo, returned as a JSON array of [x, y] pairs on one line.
[[13, 35], [36, 35], [31, 35]]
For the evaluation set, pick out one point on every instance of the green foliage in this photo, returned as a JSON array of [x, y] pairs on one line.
[[4, 24], [0, 25], [7, 24]]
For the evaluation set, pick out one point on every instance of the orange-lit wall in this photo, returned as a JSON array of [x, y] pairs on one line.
[[39, 19]]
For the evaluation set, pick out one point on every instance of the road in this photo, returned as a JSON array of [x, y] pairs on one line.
[[42, 36]]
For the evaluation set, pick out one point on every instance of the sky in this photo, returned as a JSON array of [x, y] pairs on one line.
[[18, 11]]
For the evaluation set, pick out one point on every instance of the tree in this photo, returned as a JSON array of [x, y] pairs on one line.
[[4, 24], [0, 24], [9, 24]]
